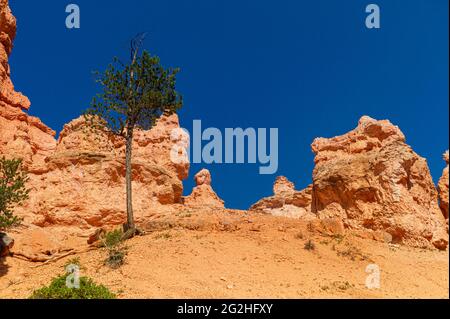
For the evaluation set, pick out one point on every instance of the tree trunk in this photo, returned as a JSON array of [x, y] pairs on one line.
[[128, 175]]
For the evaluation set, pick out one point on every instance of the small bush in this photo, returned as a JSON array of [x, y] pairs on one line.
[[353, 253], [74, 261], [117, 251], [113, 238], [310, 245], [116, 257], [13, 191], [342, 285], [59, 290]]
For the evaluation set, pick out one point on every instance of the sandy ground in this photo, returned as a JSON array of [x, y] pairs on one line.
[[267, 261]]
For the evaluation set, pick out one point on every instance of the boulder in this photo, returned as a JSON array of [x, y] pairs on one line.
[[6, 244]]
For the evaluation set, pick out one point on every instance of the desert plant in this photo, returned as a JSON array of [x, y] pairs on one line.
[[12, 191], [113, 238], [341, 285], [116, 249], [134, 96], [58, 289], [309, 245], [353, 253], [116, 257], [74, 262]]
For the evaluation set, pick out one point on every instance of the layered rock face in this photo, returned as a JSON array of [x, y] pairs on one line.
[[371, 179], [79, 179], [286, 201], [203, 194], [82, 183], [443, 189]]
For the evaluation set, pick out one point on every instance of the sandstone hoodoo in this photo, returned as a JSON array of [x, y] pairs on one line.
[[203, 194], [371, 179], [443, 189], [286, 201]]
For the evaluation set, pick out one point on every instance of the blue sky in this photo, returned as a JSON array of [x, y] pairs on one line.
[[309, 68]]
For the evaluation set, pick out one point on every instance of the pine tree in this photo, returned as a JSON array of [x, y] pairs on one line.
[[134, 96]]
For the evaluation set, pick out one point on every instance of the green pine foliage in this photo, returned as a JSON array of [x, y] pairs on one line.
[[12, 191], [134, 95]]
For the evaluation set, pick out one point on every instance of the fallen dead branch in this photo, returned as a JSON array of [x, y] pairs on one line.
[[44, 260]]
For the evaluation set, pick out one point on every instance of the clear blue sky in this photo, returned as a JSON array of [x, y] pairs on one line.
[[310, 68]]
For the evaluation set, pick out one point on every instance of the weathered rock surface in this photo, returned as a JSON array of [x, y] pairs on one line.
[[443, 189], [6, 244], [81, 183], [286, 201], [24, 136], [370, 178], [7, 34], [203, 194]]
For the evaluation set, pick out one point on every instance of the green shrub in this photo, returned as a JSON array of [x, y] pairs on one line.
[[59, 290], [116, 257], [74, 261], [13, 191], [117, 251], [113, 238]]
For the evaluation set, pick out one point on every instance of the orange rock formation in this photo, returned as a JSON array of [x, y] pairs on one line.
[[203, 194], [367, 179], [443, 189], [370, 178], [286, 201]]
